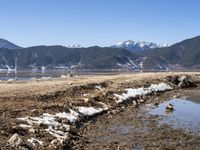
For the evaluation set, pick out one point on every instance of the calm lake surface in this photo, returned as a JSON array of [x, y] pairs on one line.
[[28, 74], [186, 113]]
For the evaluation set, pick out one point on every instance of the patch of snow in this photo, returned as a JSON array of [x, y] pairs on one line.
[[46, 78], [34, 141], [132, 63], [132, 93], [63, 77], [52, 123], [90, 111], [160, 87], [10, 80], [25, 126], [43, 68], [60, 135], [75, 46], [119, 64], [84, 95], [72, 116], [99, 87], [33, 110]]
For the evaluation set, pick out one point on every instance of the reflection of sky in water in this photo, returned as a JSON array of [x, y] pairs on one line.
[[186, 113]]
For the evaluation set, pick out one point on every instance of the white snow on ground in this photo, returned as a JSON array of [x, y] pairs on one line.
[[72, 116], [132, 93], [89, 111], [25, 126], [99, 88], [50, 121], [55, 128], [160, 87], [34, 141], [84, 95], [60, 135]]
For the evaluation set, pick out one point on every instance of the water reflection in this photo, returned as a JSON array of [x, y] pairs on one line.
[[28, 74], [186, 113]]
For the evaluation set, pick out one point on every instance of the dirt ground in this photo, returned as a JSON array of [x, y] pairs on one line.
[[133, 128], [33, 98]]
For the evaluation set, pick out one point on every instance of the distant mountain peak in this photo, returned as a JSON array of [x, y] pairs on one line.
[[6, 44], [75, 46], [137, 45]]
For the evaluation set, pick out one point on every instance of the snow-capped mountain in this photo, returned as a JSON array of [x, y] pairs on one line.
[[137, 45], [75, 46], [6, 44]]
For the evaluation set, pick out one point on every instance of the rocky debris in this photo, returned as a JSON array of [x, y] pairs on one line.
[[14, 140], [182, 81]]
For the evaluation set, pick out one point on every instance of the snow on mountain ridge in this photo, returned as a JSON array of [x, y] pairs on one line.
[[75, 46], [137, 45]]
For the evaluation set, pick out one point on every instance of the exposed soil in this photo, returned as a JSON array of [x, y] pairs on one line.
[[133, 128], [33, 98]]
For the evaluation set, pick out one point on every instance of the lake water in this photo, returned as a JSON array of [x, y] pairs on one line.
[[28, 74]]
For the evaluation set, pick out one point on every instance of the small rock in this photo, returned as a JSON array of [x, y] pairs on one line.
[[3, 132], [15, 140], [156, 103], [141, 101], [73, 130], [54, 142], [134, 103], [122, 107], [43, 126], [112, 112], [31, 130], [170, 106]]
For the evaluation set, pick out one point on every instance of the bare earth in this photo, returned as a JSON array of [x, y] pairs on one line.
[[33, 98]]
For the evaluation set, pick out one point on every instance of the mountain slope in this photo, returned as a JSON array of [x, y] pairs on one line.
[[183, 55], [50, 57], [135, 46], [6, 44]]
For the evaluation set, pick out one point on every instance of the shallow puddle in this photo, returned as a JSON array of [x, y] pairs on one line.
[[186, 113]]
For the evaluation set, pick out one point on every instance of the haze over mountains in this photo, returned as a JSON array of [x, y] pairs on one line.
[[149, 56]]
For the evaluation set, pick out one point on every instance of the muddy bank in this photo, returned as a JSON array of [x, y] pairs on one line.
[[56, 114], [134, 128]]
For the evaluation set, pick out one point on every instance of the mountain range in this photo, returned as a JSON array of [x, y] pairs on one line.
[[135, 46], [6, 44], [180, 56]]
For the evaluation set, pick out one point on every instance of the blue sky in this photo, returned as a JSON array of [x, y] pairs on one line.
[[98, 22]]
